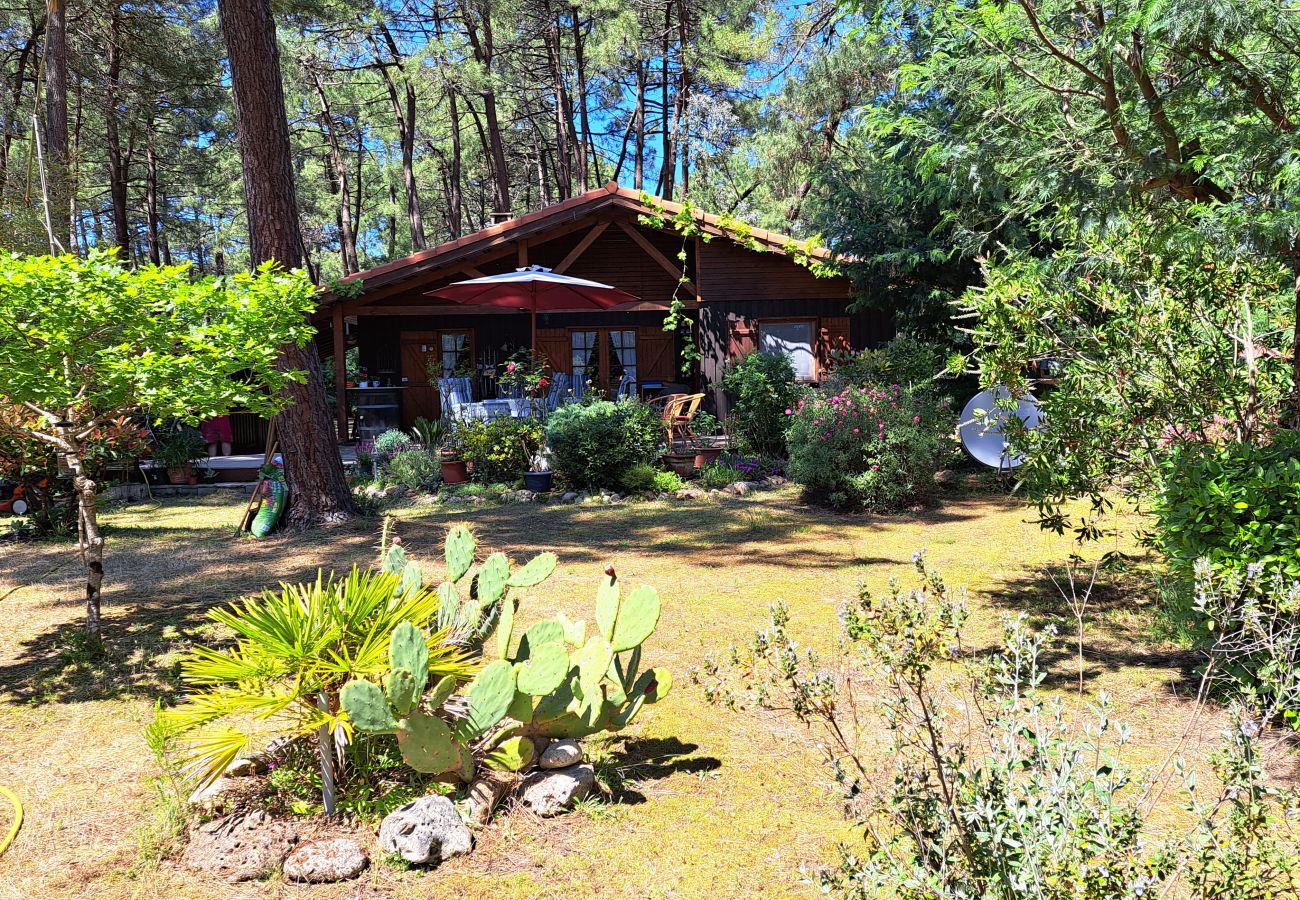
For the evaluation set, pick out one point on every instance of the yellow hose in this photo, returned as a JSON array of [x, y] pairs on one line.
[[18, 817]]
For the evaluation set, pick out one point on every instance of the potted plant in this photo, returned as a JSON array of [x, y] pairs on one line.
[[709, 439], [178, 452], [681, 460], [539, 477], [454, 470]]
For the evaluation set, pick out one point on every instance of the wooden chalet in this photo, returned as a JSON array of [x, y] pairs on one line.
[[740, 300]]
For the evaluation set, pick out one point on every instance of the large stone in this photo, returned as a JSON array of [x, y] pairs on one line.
[[739, 488], [239, 847], [550, 792], [328, 859], [428, 830], [690, 494], [569, 497], [561, 755]]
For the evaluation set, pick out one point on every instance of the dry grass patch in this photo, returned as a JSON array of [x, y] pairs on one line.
[[711, 804]]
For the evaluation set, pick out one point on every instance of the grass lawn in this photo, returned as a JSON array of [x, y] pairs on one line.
[[719, 804]]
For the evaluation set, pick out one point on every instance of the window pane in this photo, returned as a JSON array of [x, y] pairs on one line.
[[793, 340]]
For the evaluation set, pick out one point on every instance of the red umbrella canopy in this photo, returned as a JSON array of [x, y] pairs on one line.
[[534, 288]]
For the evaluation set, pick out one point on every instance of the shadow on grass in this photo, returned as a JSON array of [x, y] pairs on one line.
[[641, 760], [1119, 632]]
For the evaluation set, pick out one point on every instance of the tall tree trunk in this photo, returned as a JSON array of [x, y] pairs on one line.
[[668, 163], [118, 166], [347, 234], [59, 188], [455, 198], [89, 540], [318, 490], [1295, 339], [587, 158], [10, 121], [404, 111], [638, 164], [481, 43], [151, 201], [565, 150]]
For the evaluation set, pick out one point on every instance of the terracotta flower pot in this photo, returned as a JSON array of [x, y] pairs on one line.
[[681, 463], [179, 474], [706, 455], [454, 471]]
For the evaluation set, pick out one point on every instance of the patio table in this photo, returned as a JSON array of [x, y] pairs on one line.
[[500, 408]]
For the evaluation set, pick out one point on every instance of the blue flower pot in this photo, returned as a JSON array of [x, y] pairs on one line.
[[538, 482]]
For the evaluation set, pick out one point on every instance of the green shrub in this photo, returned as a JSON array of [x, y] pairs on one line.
[[417, 470], [1231, 503], [500, 449], [906, 360], [644, 478], [388, 445], [988, 791], [763, 387], [595, 444], [869, 447], [716, 476]]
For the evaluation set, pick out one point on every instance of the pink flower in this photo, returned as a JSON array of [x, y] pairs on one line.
[[875, 468], [510, 367], [916, 418], [789, 412], [857, 431]]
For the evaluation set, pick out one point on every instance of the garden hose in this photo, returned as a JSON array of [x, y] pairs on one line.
[[18, 818]]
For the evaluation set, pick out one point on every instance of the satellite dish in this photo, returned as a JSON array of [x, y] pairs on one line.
[[981, 426]]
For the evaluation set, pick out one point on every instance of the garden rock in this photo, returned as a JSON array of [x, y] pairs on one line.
[[212, 794], [550, 792], [560, 755], [690, 494], [328, 859], [569, 497], [946, 476], [775, 480], [240, 847], [739, 488], [428, 830]]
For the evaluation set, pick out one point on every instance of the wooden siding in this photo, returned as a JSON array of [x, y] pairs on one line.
[[728, 272]]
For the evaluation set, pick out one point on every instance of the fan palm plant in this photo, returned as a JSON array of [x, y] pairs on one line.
[[294, 650]]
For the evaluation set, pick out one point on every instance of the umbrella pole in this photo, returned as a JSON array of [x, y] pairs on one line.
[[533, 290]]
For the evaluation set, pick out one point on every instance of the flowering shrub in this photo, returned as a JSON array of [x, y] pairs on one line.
[[869, 447], [417, 470], [388, 445], [750, 467], [527, 373], [763, 386]]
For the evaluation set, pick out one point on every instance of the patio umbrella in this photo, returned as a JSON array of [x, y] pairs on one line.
[[534, 288]]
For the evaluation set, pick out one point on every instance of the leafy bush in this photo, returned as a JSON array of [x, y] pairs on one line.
[[417, 470], [750, 467], [388, 445], [905, 360], [500, 449], [715, 476], [1231, 503], [294, 650], [763, 387], [644, 478], [869, 447], [594, 444], [1018, 802]]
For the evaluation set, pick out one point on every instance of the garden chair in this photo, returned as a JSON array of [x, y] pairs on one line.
[[455, 395], [669, 406], [560, 384], [626, 387], [679, 427]]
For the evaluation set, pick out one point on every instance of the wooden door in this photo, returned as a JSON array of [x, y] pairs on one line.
[[420, 399], [445, 352]]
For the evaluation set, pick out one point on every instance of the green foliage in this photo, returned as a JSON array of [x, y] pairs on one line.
[[715, 476], [871, 447], [501, 449], [559, 683], [644, 478], [295, 649], [764, 388], [388, 445], [1230, 503], [594, 444], [905, 360], [1150, 339], [417, 470], [1021, 802], [429, 434]]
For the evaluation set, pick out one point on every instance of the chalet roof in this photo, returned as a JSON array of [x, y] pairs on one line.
[[542, 220]]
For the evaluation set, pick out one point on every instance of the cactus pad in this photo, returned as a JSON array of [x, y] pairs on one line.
[[634, 619], [492, 580], [547, 631], [402, 690], [441, 691], [544, 669], [407, 649], [506, 627], [534, 572], [489, 696], [575, 633], [511, 755], [459, 551], [427, 744], [367, 707]]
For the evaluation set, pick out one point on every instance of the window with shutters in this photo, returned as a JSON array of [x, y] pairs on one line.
[[603, 356], [795, 339]]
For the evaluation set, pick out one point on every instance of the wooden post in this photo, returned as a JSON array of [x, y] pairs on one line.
[[522, 253], [340, 372]]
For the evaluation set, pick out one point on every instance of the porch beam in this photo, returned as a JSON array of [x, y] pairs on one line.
[[653, 252], [587, 240], [340, 372], [521, 253], [430, 310]]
